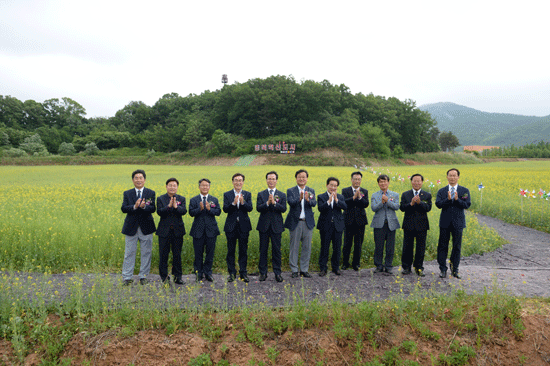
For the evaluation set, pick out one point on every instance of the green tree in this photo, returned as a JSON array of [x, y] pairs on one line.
[[448, 141], [4, 139], [166, 139], [34, 115], [375, 140], [91, 149], [13, 152], [53, 137], [222, 143], [33, 145], [11, 111], [64, 113], [135, 117], [67, 149]]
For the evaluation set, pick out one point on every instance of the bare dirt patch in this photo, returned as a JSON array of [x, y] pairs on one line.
[[218, 161], [305, 347], [326, 153], [260, 160]]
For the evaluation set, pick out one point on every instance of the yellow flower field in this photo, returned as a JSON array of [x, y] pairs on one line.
[[68, 218]]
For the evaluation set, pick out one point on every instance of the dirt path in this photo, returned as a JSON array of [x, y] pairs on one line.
[[519, 267]]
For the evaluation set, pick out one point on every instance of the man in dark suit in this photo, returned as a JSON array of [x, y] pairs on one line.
[[452, 200], [355, 217], [171, 208], [300, 223], [237, 203], [331, 225], [271, 204], [204, 208], [138, 204], [416, 204]]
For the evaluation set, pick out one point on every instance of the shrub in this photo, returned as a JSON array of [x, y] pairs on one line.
[[66, 148], [90, 149], [14, 152], [34, 145]]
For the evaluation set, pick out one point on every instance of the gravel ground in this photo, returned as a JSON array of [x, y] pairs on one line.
[[518, 267]]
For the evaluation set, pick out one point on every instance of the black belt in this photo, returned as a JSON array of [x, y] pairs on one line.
[[302, 219]]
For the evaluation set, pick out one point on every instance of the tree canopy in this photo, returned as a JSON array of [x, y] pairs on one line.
[[308, 113]]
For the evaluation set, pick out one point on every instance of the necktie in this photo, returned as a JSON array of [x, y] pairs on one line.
[[238, 202], [204, 201], [271, 192], [416, 193], [452, 192], [139, 194]]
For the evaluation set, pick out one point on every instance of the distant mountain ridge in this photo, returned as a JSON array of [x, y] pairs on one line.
[[474, 127]]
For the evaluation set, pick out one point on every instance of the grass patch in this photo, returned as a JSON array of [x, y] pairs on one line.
[[365, 333]]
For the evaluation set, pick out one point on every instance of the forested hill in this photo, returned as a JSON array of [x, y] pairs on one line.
[[473, 127], [231, 120]]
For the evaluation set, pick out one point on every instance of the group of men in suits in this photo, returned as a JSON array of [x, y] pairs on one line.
[[416, 203], [339, 213]]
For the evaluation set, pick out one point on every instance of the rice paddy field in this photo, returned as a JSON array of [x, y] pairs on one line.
[[56, 219]]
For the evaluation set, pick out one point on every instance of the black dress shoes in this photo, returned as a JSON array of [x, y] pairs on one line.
[[295, 275], [198, 277], [143, 281], [456, 275], [263, 277], [178, 281], [389, 271], [406, 271], [244, 278], [209, 278], [323, 273], [443, 274], [337, 272], [420, 272], [127, 282], [379, 270], [305, 274], [278, 278], [231, 278], [344, 267], [356, 269]]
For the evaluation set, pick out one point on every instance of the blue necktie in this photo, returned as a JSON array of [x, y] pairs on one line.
[[452, 192], [139, 194]]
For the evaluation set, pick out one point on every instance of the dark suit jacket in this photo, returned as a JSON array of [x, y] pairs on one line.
[[140, 217], [331, 214], [233, 212], [170, 216], [355, 214], [205, 220], [416, 217], [271, 216], [453, 211], [293, 197]]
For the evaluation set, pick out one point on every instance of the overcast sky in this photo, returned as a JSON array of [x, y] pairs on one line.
[[487, 55]]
